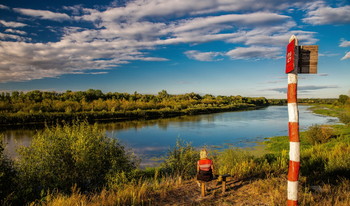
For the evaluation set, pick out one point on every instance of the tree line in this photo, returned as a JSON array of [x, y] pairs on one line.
[[49, 106], [96, 100], [20, 107]]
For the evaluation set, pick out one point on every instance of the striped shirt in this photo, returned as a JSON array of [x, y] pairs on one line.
[[205, 164]]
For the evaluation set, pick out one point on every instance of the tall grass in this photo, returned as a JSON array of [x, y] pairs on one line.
[[272, 191], [181, 160], [240, 164], [142, 192]]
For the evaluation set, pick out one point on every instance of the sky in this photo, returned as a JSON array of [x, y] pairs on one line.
[[218, 47]]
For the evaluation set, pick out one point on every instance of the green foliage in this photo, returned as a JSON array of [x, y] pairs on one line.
[[340, 109], [317, 134], [326, 162], [181, 160], [233, 161], [240, 164], [277, 144], [343, 99], [7, 175], [325, 153], [38, 106], [339, 160], [61, 157], [345, 117]]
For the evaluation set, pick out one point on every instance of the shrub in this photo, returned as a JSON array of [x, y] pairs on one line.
[[181, 160], [7, 175], [233, 161], [317, 134], [345, 117], [339, 160], [65, 156]]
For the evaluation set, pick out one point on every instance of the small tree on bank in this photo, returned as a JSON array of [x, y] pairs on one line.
[[65, 156]]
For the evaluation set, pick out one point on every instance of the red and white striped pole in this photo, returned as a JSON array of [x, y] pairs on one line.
[[293, 131]]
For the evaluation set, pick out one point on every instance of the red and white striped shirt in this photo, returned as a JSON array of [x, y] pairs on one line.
[[205, 164]]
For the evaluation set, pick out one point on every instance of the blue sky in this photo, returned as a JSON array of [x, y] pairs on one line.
[[219, 47]]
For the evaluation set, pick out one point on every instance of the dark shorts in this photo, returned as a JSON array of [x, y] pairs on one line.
[[205, 176]]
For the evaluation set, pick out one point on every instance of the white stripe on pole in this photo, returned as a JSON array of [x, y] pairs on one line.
[[292, 78], [294, 155], [293, 112], [292, 190]]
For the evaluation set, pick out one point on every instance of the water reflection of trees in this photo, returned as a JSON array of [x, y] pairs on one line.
[[161, 123]]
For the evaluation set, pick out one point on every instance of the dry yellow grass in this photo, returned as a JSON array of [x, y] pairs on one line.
[[171, 191]]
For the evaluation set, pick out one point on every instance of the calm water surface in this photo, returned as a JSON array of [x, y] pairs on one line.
[[153, 138]]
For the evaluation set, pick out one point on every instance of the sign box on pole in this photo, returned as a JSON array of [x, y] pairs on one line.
[[308, 58]]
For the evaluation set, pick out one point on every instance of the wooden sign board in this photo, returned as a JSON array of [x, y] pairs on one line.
[[308, 59]]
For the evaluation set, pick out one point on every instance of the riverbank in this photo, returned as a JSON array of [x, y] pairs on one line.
[[39, 107], [22, 119]]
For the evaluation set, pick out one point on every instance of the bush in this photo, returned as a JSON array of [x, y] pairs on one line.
[[7, 175], [345, 117], [181, 160], [326, 162], [317, 134], [65, 156], [339, 160]]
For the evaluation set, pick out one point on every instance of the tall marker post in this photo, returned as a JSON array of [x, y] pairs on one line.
[[299, 59], [293, 124]]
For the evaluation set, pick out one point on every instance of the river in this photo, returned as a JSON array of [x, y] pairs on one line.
[[151, 139]]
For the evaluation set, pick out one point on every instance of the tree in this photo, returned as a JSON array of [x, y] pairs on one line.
[[163, 94], [343, 99], [92, 94]]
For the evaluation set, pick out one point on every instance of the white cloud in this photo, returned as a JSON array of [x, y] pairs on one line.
[[15, 31], [202, 56], [230, 20], [347, 56], [76, 10], [94, 73], [26, 61], [125, 33], [304, 89], [12, 24], [4, 7], [327, 54], [43, 14], [13, 37], [320, 14], [255, 52], [344, 43]]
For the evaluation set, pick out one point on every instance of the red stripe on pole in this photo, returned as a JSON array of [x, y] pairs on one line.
[[292, 202], [293, 172], [293, 131], [292, 93]]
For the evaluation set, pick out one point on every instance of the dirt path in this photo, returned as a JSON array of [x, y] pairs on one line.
[[243, 192]]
